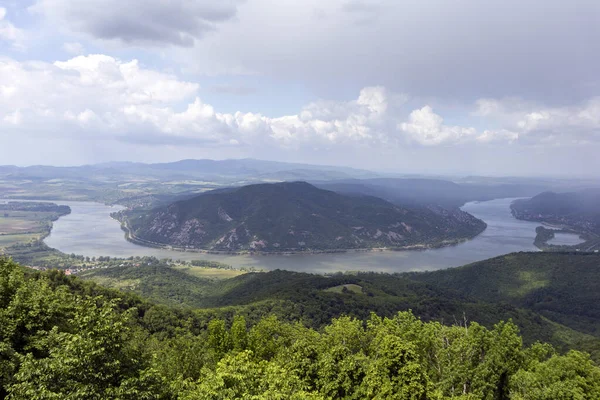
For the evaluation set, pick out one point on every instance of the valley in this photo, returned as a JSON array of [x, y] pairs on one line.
[[89, 230], [249, 270]]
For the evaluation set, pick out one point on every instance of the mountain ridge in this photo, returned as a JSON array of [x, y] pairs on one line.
[[295, 217]]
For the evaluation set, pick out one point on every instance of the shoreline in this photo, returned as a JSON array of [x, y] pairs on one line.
[[416, 247]]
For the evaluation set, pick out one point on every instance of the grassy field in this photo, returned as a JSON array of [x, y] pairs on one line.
[[23, 225], [10, 240], [25, 222], [351, 287], [17, 227], [207, 272]]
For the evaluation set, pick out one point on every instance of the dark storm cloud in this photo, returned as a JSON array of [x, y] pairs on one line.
[[541, 50], [177, 22]]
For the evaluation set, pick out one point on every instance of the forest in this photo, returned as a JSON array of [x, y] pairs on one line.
[[65, 338]]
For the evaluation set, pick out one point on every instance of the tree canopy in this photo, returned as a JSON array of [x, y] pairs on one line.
[[61, 338]]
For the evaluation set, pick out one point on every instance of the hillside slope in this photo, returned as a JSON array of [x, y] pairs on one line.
[[559, 286], [295, 217], [315, 299]]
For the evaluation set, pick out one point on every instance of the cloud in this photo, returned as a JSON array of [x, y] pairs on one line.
[[14, 118], [363, 12], [127, 80], [74, 48], [10, 33], [502, 135], [101, 96], [494, 48], [96, 97], [534, 123], [86, 95], [427, 128], [238, 90], [140, 22]]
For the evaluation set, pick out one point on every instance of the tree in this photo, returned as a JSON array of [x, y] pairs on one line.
[[239, 333], [395, 372], [572, 376], [92, 362], [218, 338]]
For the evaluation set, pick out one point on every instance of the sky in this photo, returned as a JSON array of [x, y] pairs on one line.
[[495, 87]]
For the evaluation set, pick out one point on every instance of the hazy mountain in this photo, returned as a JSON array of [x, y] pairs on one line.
[[188, 169], [417, 191], [296, 217], [580, 210]]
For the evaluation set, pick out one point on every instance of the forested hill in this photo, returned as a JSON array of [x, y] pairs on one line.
[[562, 287], [529, 288], [577, 210], [295, 216], [62, 338]]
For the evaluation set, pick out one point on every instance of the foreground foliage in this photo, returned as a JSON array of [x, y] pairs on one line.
[[65, 339]]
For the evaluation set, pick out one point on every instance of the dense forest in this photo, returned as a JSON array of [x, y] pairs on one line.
[[551, 297], [63, 338]]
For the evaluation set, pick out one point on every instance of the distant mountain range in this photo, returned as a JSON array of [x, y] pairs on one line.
[[420, 191], [151, 185], [295, 216], [217, 170]]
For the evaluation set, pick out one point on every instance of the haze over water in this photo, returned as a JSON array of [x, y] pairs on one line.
[[90, 231]]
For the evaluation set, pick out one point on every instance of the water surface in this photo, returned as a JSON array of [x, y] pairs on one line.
[[90, 231]]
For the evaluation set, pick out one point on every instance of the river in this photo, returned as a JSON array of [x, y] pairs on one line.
[[90, 231]]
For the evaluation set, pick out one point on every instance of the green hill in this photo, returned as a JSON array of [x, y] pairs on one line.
[[295, 217], [560, 286], [438, 296]]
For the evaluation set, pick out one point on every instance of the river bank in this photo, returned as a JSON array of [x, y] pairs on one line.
[[129, 236], [89, 230]]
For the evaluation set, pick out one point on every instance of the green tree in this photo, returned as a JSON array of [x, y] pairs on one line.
[[218, 337], [395, 372], [570, 377], [91, 362], [239, 333]]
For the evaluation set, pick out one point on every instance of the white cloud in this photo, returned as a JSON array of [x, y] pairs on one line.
[[103, 96], [534, 122], [10, 33], [127, 80], [84, 95], [501, 135], [99, 96], [427, 128]]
